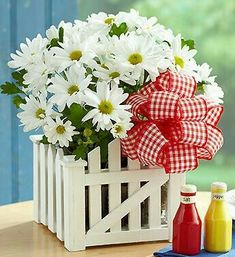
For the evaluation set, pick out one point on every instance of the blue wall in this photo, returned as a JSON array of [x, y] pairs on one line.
[[20, 19]]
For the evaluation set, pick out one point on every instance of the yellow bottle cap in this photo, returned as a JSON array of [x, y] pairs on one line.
[[218, 187]]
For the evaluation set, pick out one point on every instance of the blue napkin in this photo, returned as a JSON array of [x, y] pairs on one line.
[[167, 252]]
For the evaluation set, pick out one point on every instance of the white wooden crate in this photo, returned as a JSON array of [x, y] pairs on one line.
[[60, 198]]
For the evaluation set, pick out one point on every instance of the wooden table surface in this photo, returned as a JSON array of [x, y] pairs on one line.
[[20, 236]]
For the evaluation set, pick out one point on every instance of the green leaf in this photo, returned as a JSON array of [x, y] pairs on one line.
[[44, 140], [190, 43], [18, 100], [75, 114], [200, 88], [54, 42], [18, 76], [10, 88], [130, 89], [105, 137], [80, 152], [61, 34], [118, 30]]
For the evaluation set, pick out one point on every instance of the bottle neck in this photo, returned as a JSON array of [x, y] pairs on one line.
[[217, 196], [188, 198]]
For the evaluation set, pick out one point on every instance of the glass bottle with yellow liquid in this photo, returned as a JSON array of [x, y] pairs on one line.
[[218, 221]]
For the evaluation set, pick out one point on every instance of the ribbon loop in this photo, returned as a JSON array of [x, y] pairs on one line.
[[150, 145], [213, 144], [163, 106], [192, 108], [213, 115], [137, 102], [194, 133]]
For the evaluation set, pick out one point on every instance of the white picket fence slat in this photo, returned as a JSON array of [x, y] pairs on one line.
[[68, 198], [154, 210], [59, 195], [51, 189], [43, 184], [95, 210], [114, 164], [36, 178], [74, 204], [135, 213]]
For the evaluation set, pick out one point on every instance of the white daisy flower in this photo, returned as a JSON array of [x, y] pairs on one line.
[[69, 30], [106, 105], [146, 26], [140, 53], [132, 19], [183, 57], [104, 51], [74, 51], [52, 33], [36, 78], [30, 54], [213, 92], [119, 130], [69, 90], [35, 112], [59, 132], [37, 75], [68, 27], [157, 32], [100, 23], [82, 27], [203, 74], [112, 72]]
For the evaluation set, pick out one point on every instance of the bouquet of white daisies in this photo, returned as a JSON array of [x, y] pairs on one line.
[[73, 82]]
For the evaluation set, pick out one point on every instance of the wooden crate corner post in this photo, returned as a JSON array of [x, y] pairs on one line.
[[74, 203], [36, 176]]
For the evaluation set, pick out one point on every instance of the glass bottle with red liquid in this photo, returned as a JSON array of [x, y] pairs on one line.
[[187, 224]]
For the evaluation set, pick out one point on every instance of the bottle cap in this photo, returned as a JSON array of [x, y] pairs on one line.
[[188, 189], [219, 185]]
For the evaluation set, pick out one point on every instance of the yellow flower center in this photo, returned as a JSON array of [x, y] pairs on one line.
[[135, 58], [72, 89], [87, 132], [109, 20], [105, 107], [179, 61], [60, 129], [40, 114], [114, 74], [104, 66], [75, 55], [118, 129]]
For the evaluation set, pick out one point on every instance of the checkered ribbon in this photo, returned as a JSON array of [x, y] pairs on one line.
[[173, 127]]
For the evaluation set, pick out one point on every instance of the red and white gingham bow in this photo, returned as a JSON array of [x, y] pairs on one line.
[[178, 127]]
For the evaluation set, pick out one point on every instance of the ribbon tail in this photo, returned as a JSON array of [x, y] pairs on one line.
[[214, 114], [213, 144]]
